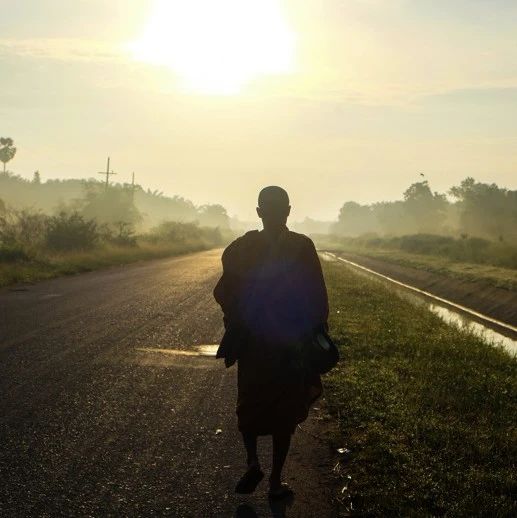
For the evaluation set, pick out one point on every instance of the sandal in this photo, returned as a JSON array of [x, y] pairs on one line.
[[249, 481]]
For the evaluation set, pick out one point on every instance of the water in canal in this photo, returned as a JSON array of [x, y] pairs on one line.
[[446, 313]]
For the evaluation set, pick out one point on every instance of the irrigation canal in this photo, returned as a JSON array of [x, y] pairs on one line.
[[492, 330]]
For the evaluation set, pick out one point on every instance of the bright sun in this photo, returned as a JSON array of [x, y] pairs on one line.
[[217, 46]]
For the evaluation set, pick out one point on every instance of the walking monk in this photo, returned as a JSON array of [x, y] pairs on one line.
[[273, 297]]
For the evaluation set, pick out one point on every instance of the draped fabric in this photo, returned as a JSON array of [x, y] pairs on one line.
[[273, 297]]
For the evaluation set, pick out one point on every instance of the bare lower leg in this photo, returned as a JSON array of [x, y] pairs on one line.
[[250, 443], [281, 444], [249, 481]]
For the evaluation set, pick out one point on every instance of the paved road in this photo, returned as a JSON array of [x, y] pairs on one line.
[[106, 408]]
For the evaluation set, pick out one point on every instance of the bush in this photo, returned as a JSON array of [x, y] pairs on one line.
[[121, 233], [70, 231], [216, 236], [22, 230], [12, 254], [174, 232]]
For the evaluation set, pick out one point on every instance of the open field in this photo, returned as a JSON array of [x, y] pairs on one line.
[[490, 274], [426, 410]]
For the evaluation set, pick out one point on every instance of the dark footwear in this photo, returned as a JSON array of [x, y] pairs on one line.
[[281, 492], [249, 481]]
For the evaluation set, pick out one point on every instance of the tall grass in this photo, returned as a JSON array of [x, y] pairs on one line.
[[428, 411]]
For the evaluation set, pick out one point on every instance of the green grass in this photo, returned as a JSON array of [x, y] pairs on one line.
[[48, 265], [428, 411], [492, 275]]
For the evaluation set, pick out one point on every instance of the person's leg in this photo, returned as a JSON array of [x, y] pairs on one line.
[[281, 444], [254, 474], [250, 443]]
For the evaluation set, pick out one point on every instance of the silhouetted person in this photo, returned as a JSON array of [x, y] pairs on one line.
[[273, 297]]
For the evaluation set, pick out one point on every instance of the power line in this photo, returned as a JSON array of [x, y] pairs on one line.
[[108, 173], [133, 186]]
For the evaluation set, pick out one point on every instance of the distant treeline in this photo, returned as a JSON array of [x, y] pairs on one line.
[[472, 209], [119, 203], [68, 226]]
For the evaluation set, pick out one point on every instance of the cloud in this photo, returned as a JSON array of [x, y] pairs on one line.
[[503, 93], [63, 49]]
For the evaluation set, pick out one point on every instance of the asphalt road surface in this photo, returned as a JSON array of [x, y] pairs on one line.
[[110, 407]]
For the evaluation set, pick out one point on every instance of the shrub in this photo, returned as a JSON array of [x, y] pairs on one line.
[[123, 234], [216, 236], [12, 254], [70, 231], [22, 230], [175, 232]]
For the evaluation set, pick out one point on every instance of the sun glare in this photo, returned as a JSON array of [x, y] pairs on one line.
[[217, 46]]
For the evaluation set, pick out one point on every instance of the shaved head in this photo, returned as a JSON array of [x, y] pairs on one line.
[[273, 207], [273, 197]]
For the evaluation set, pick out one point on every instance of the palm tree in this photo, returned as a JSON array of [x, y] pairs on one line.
[[7, 150]]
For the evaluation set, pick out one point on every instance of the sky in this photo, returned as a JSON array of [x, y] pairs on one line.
[[335, 100]]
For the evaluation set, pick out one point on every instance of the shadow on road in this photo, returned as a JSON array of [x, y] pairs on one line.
[[245, 511], [278, 509]]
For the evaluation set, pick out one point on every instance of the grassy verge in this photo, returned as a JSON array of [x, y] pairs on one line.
[[492, 275], [53, 265], [428, 411]]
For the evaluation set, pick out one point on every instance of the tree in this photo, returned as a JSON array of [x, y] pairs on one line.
[[355, 219], [111, 206], [7, 150], [425, 208], [71, 231], [213, 216], [486, 210], [392, 218], [36, 178]]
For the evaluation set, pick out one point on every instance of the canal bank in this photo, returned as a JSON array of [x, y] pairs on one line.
[[485, 310]]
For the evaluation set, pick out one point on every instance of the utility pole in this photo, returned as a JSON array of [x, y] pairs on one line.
[[108, 173], [133, 187]]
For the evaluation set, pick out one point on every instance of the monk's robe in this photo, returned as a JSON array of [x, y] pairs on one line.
[[273, 297]]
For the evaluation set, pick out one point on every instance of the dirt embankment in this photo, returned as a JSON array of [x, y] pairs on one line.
[[497, 303]]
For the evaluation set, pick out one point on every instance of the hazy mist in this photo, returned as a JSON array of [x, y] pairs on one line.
[[375, 93]]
